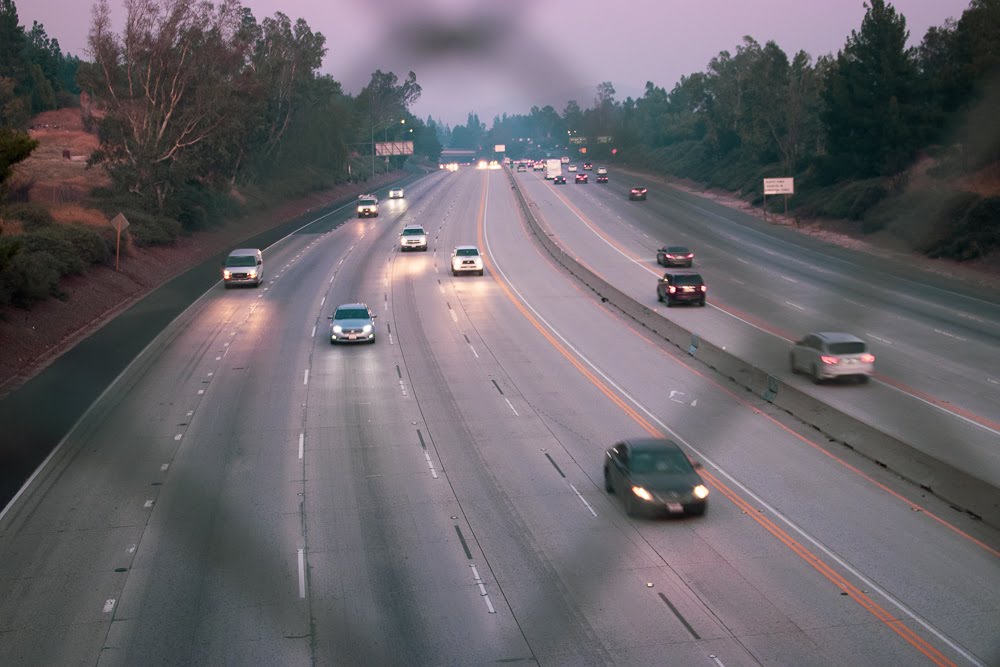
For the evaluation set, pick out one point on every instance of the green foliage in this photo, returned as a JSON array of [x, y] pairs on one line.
[[28, 277], [849, 200], [31, 216], [148, 229], [15, 146], [32, 69]]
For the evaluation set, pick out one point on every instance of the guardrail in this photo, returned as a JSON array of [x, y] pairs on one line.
[[962, 491]]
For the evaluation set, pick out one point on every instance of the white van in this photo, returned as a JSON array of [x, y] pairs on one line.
[[243, 267]]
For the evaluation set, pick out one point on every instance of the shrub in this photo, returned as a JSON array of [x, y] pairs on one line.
[[146, 229], [51, 242], [29, 277], [32, 216]]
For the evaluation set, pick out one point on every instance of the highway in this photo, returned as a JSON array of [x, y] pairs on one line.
[[247, 493], [934, 339]]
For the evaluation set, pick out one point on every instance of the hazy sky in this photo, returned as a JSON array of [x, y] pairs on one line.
[[491, 56]]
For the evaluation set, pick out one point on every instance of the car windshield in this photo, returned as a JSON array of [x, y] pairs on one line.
[[847, 347], [678, 250], [368, 202], [660, 461], [467, 252], [351, 314], [414, 231], [241, 260], [687, 279]]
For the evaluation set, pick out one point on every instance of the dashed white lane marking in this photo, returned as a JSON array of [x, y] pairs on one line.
[[178, 436], [313, 334], [430, 464], [879, 339], [794, 305], [331, 279], [441, 288], [992, 381], [322, 301], [511, 407], [226, 344], [109, 604], [582, 499], [211, 373], [402, 387], [949, 335], [738, 281], [390, 339], [454, 316], [717, 661], [305, 377], [740, 259], [148, 504], [218, 358], [164, 466], [302, 441], [302, 573], [473, 350], [131, 548], [482, 589], [201, 391], [791, 280]]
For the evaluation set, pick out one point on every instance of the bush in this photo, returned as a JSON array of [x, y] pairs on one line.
[[151, 230], [67, 259], [971, 231], [32, 216], [29, 277]]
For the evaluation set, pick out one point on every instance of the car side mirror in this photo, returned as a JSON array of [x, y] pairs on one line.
[[374, 317]]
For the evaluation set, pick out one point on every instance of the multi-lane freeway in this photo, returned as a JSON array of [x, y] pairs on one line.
[[248, 493]]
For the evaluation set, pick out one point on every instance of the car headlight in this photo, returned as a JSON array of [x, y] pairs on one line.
[[367, 328], [227, 274], [642, 493], [252, 273], [700, 491], [360, 209], [337, 329]]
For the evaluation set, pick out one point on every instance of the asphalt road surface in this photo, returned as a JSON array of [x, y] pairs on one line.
[[248, 493]]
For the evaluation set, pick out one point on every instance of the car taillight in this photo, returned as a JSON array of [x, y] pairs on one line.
[[829, 360], [704, 288], [671, 289], [868, 358]]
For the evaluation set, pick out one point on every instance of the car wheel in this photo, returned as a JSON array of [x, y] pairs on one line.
[[333, 342], [863, 379], [481, 271], [227, 285], [659, 297], [701, 304], [670, 303], [631, 505], [608, 486], [815, 375], [698, 511], [454, 272], [659, 260]]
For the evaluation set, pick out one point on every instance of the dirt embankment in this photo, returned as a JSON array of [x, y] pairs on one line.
[[30, 339]]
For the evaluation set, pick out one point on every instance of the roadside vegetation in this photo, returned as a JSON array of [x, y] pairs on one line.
[[898, 138], [201, 111]]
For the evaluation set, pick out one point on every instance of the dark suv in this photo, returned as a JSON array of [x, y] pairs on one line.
[[681, 288]]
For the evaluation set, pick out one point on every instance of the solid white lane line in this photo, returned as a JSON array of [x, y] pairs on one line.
[[511, 407], [582, 499], [302, 573], [826, 551], [302, 439], [305, 377]]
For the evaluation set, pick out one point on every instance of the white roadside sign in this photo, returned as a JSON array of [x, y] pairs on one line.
[[779, 186]]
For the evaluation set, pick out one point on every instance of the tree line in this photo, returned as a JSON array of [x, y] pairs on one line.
[[848, 126]]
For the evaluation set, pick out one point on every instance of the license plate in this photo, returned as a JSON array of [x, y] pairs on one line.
[[675, 507], [352, 336]]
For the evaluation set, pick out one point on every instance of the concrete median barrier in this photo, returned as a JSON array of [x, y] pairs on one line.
[[961, 490]]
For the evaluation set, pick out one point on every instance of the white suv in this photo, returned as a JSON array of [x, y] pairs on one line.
[[367, 206], [466, 259], [825, 355], [413, 237], [396, 193]]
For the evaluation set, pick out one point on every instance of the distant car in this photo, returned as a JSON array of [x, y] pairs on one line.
[[466, 259], [539, 166], [601, 171], [602, 179], [571, 168], [674, 255], [564, 160], [826, 354], [396, 193], [681, 288], [581, 178], [243, 267], [521, 167], [413, 237], [653, 475], [637, 193], [367, 206], [559, 180], [352, 323], [587, 166]]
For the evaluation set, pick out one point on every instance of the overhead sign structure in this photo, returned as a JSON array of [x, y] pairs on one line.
[[578, 140], [500, 148], [387, 148], [779, 186], [604, 140]]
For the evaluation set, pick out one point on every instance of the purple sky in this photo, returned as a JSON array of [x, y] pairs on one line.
[[527, 52]]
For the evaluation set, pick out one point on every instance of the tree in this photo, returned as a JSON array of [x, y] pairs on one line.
[[15, 146], [872, 118]]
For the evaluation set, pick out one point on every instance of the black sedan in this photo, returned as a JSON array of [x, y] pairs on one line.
[[653, 475], [674, 255], [559, 180], [637, 193], [581, 178], [602, 178]]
